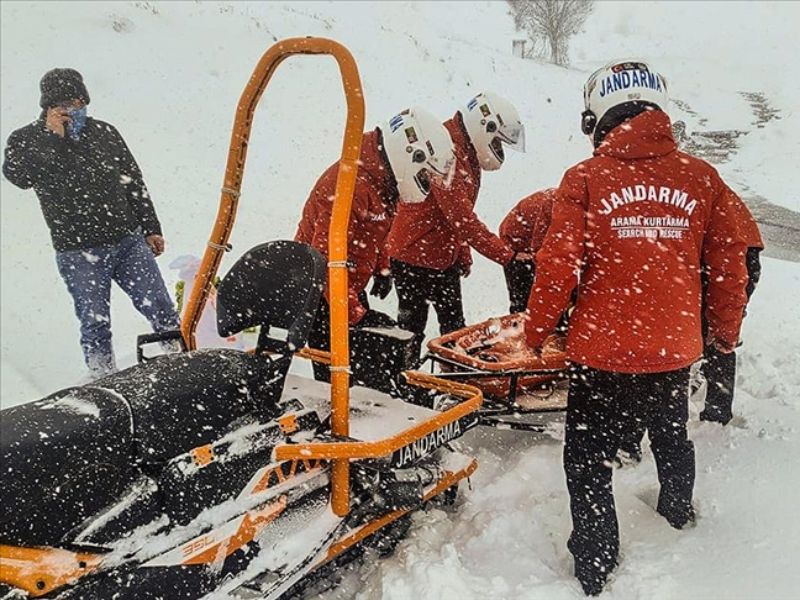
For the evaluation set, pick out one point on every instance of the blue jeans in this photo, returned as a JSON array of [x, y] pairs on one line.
[[88, 275]]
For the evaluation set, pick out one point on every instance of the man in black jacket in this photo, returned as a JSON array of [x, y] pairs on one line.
[[101, 218]]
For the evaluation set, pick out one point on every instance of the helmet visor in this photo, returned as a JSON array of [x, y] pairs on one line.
[[442, 171], [513, 136]]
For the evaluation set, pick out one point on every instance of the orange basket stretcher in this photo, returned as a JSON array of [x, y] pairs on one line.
[[515, 381]]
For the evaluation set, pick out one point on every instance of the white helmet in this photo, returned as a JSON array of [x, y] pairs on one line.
[[612, 88], [420, 153], [492, 121]]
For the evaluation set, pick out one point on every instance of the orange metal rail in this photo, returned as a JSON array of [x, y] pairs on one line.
[[337, 250], [449, 479], [377, 449], [314, 354]]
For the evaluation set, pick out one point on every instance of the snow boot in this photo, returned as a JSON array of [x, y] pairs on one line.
[[592, 577], [678, 518], [593, 567], [715, 416]]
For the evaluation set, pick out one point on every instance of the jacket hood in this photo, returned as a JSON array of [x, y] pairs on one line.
[[646, 135], [375, 165]]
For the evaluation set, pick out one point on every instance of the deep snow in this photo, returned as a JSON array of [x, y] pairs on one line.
[[168, 75], [508, 538]]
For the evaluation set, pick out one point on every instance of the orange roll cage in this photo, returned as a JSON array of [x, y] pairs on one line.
[[338, 358]]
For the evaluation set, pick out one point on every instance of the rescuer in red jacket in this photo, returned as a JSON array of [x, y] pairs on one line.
[[429, 243], [632, 228], [523, 230], [405, 158]]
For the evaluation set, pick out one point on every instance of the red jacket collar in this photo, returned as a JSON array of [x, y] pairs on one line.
[[374, 165], [647, 135]]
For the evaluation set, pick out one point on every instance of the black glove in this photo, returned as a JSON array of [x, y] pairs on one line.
[[375, 318], [381, 286]]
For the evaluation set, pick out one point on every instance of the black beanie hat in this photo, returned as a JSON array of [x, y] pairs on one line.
[[62, 85]]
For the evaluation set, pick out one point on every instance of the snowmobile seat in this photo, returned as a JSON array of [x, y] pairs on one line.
[[185, 400], [274, 285], [64, 457], [189, 399]]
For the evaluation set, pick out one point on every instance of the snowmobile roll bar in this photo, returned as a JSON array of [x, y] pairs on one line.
[[342, 448], [337, 245]]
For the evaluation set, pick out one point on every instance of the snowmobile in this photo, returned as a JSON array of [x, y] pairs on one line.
[[519, 386], [216, 472]]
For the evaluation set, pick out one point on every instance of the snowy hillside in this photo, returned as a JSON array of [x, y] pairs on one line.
[[169, 74]]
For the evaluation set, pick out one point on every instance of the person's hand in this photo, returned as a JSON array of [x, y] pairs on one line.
[[524, 256], [57, 119], [381, 286], [156, 243], [720, 346], [723, 347]]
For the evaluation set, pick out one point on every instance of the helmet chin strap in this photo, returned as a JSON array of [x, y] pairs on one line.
[[423, 181], [501, 155]]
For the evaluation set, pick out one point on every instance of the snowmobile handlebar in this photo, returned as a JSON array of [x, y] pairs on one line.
[[337, 245]]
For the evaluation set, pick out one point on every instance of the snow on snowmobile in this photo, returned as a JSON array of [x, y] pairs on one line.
[[215, 472]]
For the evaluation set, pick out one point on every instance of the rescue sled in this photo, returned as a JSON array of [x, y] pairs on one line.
[[215, 472], [516, 382]]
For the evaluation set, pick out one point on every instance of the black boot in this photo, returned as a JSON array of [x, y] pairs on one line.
[[716, 416], [679, 517], [592, 576]]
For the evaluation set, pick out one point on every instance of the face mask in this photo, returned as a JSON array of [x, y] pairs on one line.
[[78, 122]]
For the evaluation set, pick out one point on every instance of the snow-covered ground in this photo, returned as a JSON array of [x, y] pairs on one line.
[[168, 75], [508, 538]]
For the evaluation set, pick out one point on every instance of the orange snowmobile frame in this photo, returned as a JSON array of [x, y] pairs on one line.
[[341, 451]]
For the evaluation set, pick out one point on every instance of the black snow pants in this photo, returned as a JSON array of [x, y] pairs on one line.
[[519, 281], [718, 368], [419, 287], [602, 408]]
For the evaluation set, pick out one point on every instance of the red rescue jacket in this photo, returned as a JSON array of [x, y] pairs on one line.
[[525, 227], [437, 232], [370, 218], [634, 223], [748, 228]]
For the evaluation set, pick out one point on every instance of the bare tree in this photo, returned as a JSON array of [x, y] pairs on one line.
[[552, 20]]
